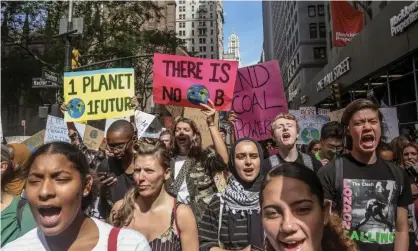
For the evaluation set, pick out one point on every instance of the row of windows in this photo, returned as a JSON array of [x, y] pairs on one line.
[[313, 30], [183, 16], [319, 52], [202, 40], [294, 65], [193, 1], [203, 49], [202, 32], [313, 10], [201, 24], [204, 56]]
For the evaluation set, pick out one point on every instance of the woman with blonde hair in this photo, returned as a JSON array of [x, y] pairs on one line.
[[148, 208]]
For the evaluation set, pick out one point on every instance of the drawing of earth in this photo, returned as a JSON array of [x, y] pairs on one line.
[[93, 134], [76, 108], [309, 134], [198, 94]]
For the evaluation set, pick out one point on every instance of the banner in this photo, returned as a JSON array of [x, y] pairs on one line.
[[16, 139], [258, 98], [35, 140], [200, 119], [307, 110], [322, 111], [390, 119], [347, 22], [101, 94], [143, 121], [310, 128], [56, 130], [93, 138], [188, 81], [336, 115]]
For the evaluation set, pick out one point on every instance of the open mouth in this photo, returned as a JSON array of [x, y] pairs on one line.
[[286, 136], [49, 215], [368, 141], [291, 245], [248, 171], [181, 139]]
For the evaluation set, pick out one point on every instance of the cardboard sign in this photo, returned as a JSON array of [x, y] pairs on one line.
[[336, 115], [93, 138], [35, 140], [110, 121], [308, 110], [322, 111], [310, 128], [143, 121], [101, 94], [200, 119], [56, 130], [16, 139], [390, 119], [188, 81], [258, 98], [175, 111]]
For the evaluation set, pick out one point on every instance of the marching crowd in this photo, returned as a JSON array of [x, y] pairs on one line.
[[349, 191]]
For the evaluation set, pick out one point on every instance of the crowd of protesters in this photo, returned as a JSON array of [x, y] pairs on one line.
[[348, 191]]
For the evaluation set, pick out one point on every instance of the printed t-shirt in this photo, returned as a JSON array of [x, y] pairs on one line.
[[368, 202], [183, 195]]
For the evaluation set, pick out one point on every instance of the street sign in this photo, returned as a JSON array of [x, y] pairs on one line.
[[23, 122], [51, 76], [43, 83]]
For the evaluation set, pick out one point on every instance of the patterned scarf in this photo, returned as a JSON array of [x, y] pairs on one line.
[[237, 199]]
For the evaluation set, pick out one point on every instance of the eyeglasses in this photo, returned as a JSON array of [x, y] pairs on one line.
[[118, 146]]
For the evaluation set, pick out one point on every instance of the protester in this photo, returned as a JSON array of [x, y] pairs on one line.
[[165, 138], [116, 171], [376, 196], [285, 131], [295, 215], [232, 220], [314, 147], [214, 164], [223, 133], [149, 209], [331, 144], [190, 181], [384, 151], [16, 218], [21, 155], [59, 188], [397, 145]]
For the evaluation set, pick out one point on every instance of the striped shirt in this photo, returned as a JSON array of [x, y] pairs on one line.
[[234, 236], [128, 240]]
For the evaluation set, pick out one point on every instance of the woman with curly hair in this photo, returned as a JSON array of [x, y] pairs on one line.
[[150, 209], [295, 215]]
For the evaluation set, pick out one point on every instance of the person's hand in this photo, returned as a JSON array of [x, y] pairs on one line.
[[63, 108], [232, 117], [109, 181], [409, 163], [209, 111], [324, 162], [134, 102]]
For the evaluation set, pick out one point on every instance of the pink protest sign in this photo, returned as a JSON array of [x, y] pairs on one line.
[[188, 81], [258, 98]]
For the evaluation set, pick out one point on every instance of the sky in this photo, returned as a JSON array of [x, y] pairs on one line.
[[246, 17]]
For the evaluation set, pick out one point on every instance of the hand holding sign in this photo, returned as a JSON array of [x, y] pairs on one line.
[[210, 112]]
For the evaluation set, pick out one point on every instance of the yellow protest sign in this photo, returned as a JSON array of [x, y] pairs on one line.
[[101, 94]]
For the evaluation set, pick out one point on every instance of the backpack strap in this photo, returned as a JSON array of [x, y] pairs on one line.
[[274, 161], [307, 160], [19, 211], [339, 180], [221, 209], [112, 241]]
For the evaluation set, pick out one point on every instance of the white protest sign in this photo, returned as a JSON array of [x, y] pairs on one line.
[[81, 128], [310, 127], [322, 111], [143, 121], [307, 110], [16, 139], [110, 121], [390, 119], [56, 130], [154, 130]]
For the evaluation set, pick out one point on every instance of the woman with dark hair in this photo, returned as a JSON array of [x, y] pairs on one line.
[[59, 190], [16, 218], [295, 214], [149, 209], [397, 145], [190, 180], [314, 147], [232, 220]]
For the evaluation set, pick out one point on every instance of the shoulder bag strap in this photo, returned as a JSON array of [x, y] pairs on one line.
[[112, 242]]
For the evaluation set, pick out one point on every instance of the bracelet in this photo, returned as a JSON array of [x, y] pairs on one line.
[[209, 125]]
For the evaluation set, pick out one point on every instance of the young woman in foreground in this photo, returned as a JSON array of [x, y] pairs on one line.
[[295, 215], [59, 189]]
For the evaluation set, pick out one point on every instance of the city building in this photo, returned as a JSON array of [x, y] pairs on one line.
[[233, 53], [380, 63], [295, 35], [200, 25], [168, 21]]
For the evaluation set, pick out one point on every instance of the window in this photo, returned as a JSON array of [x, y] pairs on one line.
[[192, 24], [311, 11], [321, 10], [202, 40], [322, 30], [297, 36], [193, 8], [211, 56], [313, 30], [192, 40], [193, 16], [211, 7], [192, 32], [211, 40], [211, 48], [211, 23], [211, 15], [319, 52], [211, 32], [297, 59], [193, 49]]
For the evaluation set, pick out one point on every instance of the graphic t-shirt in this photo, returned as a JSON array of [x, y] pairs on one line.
[[368, 202], [183, 195]]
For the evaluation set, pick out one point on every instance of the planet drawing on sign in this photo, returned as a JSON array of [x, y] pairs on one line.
[[76, 108], [93, 134], [309, 134], [198, 94]]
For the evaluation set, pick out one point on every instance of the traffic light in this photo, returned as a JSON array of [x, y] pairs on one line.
[[336, 94], [75, 59]]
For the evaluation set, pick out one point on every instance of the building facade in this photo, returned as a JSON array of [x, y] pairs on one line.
[[380, 63], [233, 52], [168, 22], [295, 35], [200, 25]]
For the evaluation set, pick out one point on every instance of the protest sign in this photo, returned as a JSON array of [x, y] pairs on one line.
[[310, 127], [258, 98], [110, 121], [307, 110], [16, 139], [336, 115], [188, 81], [200, 119], [101, 94], [56, 130], [35, 140], [390, 119], [143, 121], [81, 128], [154, 129], [322, 111], [175, 111], [93, 138]]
